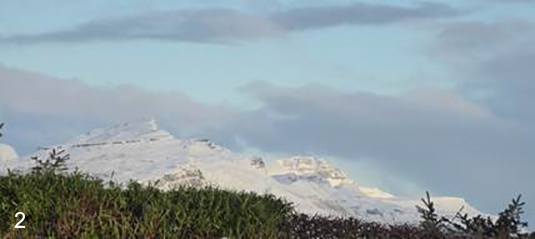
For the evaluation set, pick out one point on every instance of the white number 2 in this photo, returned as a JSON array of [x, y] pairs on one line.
[[23, 216]]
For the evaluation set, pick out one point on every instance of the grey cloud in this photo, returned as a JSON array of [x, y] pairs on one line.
[[220, 25], [41, 109], [358, 14], [216, 25], [511, 1], [438, 139], [497, 57], [492, 62]]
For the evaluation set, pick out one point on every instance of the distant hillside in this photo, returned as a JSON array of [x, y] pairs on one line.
[[141, 151]]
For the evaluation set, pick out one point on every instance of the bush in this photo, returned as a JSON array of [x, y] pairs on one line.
[[77, 205], [306, 226]]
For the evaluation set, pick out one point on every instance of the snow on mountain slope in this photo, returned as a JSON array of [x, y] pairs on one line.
[[141, 151]]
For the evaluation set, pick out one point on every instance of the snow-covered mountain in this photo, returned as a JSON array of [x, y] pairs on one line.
[[141, 151]]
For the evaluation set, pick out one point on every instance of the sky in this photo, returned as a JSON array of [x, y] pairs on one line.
[[404, 95]]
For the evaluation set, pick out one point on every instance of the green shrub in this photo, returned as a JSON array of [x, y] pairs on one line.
[[77, 205]]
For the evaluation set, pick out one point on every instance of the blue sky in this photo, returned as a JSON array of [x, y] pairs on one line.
[[415, 90]]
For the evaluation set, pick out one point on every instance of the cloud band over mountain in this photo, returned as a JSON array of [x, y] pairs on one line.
[[414, 134]]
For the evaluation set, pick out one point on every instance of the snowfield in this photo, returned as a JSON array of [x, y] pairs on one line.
[[143, 152]]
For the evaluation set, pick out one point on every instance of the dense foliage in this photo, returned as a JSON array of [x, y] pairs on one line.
[[77, 205]]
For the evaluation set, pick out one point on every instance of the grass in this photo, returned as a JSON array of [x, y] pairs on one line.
[[79, 206]]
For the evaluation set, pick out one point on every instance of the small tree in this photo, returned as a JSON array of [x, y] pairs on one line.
[[477, 226], [431, 223], [509, 222], [56, 162], [1, 126]]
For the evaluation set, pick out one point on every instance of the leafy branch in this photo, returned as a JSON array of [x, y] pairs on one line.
[[508, 224], [1, 126], [56, 162]]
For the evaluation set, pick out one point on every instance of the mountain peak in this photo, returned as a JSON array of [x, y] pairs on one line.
[[127, 131], [312, 166]]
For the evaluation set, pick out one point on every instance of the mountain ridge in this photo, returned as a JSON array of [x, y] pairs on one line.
[[141, 151]]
